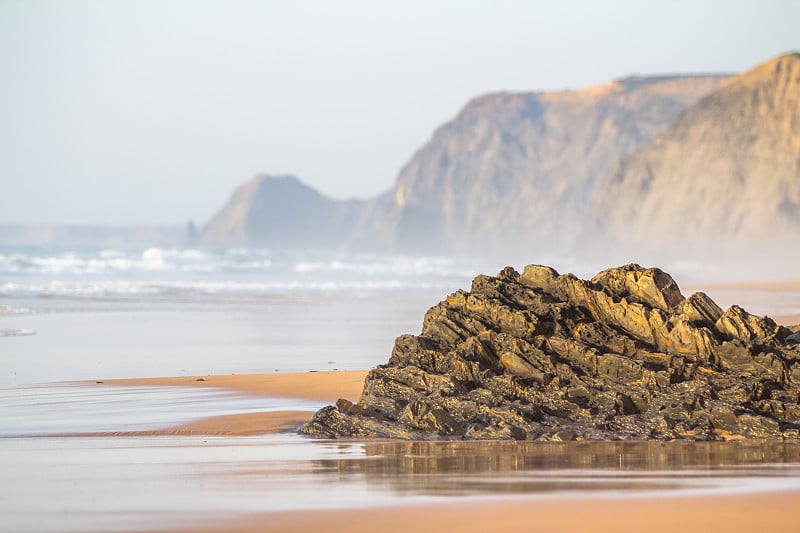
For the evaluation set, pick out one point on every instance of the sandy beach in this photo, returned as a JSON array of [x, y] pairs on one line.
[[732, 514], [326, 386], [721, 512]]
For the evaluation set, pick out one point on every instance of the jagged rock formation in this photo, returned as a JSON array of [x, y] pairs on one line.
[[518, 169], [548, 356], [283, 212], [724, 178]]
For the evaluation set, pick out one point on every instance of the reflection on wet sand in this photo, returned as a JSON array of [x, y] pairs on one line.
[[480, 467], [138, 483]]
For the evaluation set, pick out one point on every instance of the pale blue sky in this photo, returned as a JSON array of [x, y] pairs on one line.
[[151, 112]]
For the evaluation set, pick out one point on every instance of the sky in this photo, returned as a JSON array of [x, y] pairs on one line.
[[152, 112]]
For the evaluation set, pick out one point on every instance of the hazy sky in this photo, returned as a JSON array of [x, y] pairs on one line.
[[141, 112]]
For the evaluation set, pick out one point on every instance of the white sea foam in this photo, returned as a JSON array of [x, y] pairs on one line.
[[139, 288], [117, 261], [235, 272], [16, 332], [7, 310], [171, 260], [399, 266]]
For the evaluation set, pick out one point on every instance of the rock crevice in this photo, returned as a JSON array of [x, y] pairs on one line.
[[545, 356]]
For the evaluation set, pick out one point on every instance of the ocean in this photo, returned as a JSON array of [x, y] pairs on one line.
[[94, 313], [68, 314]]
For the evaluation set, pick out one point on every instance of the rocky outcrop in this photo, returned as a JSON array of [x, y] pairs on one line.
[[545, 356]]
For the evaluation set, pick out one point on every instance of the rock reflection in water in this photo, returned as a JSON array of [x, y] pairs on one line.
[[480, 467]]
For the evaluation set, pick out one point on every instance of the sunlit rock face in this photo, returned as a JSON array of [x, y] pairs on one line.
[[517, 170], [723, 181], [545, 356]]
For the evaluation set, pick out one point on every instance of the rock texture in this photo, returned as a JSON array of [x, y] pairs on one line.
[[724, 178], [552, 357], [518, 169]]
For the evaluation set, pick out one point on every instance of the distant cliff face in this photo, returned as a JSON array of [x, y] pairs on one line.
[[511, 170], [724, 178], [282, 212], [518, 170]]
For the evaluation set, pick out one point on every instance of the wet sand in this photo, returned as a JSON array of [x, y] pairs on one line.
[[564, 512], [788, 320], [326, 386], [729, 513], [238, 425]]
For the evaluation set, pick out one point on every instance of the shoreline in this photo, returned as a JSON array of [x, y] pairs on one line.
[[563, 512], [236, 425], [324, 386]]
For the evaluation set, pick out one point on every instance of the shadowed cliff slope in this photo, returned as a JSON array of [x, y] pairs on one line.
[[283, 212], [545, 356]]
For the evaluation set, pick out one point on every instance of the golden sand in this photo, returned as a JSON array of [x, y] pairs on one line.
[[729, 513], [687, 514], [238, 425], [315, 386], [324, 387]]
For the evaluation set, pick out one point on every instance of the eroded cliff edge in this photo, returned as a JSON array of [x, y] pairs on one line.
[[540, 355]]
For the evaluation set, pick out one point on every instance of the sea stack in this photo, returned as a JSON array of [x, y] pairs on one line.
[[543, 356]]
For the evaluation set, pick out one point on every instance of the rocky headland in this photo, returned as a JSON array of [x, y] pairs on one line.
[[543, 356], [723, 178], [522, 165]]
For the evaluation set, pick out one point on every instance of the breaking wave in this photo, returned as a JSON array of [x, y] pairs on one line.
[[16, 332], [165, 288], [235, 272], [118, 261]]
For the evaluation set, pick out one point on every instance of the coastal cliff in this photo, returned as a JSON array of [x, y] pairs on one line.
[[545, 356], [518, 170], [724, 178], [510, 170], [283, 212]]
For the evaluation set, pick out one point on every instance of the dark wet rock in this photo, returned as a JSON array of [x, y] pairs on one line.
[[545, 356]]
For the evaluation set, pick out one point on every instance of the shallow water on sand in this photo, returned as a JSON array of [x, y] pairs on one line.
[[284, 335], [58, 409], [129, 483]]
